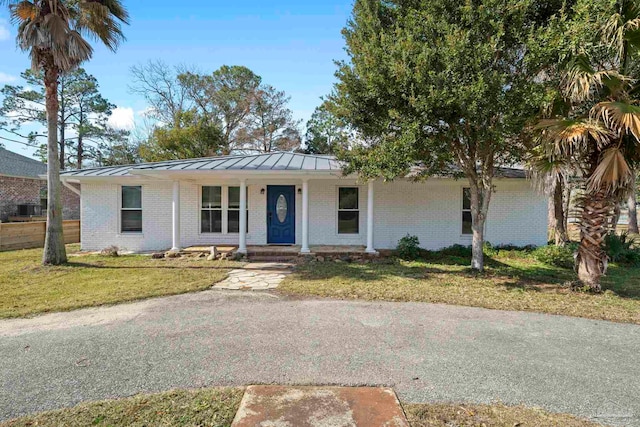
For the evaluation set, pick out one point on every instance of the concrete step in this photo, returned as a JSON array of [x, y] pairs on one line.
[[311, 406], [272, 258]]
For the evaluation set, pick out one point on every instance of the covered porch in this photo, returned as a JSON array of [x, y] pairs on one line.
[[288, 204]]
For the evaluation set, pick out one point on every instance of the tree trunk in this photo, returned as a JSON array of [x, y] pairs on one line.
[[80, 150], [61, 142], [551, 219], [54, 250], [567, 205], [479, 206], [631, 205], [592, 259], [615, 218], [561, 236]]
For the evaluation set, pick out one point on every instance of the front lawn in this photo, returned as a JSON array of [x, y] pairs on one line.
[[216, 407], [513, 281], [28, 288]]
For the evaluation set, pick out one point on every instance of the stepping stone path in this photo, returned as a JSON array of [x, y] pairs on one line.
[[299, 406], [256, 276]]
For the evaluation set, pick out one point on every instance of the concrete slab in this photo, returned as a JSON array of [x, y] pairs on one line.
[[310, 406]]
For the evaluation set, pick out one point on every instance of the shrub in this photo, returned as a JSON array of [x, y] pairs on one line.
[[620, 248], [408, 248], [560, 256], [456, 251]]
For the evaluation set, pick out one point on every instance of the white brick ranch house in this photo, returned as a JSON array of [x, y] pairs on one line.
[[290, 199]]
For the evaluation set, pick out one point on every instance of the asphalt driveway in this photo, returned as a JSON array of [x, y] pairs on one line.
[[426, 352]]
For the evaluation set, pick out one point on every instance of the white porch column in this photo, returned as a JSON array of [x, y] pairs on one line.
[[175, 210], [370, 248], [242, 246], [305, 217]]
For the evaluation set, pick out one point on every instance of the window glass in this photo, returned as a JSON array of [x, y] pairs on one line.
[[132, 197], [234, 197], [131, 210], [212, 197], [348, 222], [466, 198], [466, 211], [211, 211], [466, 222], [131, 220], [348, 198], [233, 211], [211, 221], [348, 213]]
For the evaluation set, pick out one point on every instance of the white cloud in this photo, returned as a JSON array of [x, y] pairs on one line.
[[122, 118], [6, 78], [5, 34]]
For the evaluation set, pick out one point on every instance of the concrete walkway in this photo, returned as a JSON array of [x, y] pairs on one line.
[[256, 276], [426, 352], [312, 406]]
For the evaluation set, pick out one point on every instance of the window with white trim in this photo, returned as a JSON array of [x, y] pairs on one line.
[[131, 209], [466, 211], [211, 209], [348, 211], [233, 210]]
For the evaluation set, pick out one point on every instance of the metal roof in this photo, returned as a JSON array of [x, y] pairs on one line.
[[280, 161], [247, 162], [14, 164]]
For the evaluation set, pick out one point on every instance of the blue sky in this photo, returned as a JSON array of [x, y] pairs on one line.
[[291, 44]]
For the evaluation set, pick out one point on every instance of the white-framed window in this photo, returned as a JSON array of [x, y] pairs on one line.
[[348, 210], [233, 210], [211, 209], [131, 209], [466, 211]]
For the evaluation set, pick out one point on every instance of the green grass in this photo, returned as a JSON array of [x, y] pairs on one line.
[[90, 280], [512, 281], [447, 415], [216, 407], [213, 407]]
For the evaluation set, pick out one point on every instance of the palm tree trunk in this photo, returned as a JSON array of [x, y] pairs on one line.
[[631, 205], [54, 250], [592, 259], [561, 236]]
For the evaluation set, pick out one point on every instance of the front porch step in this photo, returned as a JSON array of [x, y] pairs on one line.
[[272, 258]]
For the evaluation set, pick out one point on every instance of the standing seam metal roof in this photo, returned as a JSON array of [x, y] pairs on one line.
[[280, 161]]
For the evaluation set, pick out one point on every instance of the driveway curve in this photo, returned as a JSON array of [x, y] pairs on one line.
[[427, 352]]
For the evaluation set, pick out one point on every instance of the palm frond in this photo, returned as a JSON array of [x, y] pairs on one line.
[[581, 80], [545, 170], [612, 173], [22, 11], [621, 117], [561, 137]]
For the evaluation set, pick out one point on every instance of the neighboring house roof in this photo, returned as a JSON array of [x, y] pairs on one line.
[[14, 164], [280, 161]]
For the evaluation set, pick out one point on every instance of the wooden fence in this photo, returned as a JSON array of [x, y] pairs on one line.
[[25, 235]]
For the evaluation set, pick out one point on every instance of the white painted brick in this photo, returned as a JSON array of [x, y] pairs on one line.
[[430, 210]]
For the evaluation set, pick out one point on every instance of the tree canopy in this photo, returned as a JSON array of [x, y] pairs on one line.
[[440, 84], [82, 116], [211, 114]]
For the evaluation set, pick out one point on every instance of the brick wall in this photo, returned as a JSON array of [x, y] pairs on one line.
[[17, 191], [430, 210]]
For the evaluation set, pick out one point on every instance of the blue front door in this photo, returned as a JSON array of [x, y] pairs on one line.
[[281, 214]]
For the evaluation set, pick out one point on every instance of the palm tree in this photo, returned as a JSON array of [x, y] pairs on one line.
[[53, 32], [552, 177], [599, 136]]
